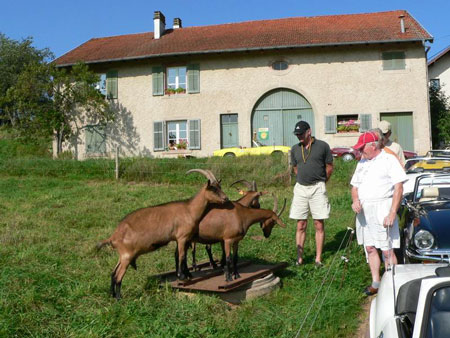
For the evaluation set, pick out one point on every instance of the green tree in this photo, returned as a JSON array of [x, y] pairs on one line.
[[58, 102], [440, 117], [15, 56]]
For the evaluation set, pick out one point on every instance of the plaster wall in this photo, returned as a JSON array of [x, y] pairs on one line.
[[441, 70]]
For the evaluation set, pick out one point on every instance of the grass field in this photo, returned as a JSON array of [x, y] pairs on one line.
[[54, 284]]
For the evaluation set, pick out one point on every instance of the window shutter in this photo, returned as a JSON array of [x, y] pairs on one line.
[[365, 122], [193, 78], [111, 84], [95, 140], [158, 80], [158, 136], [330, 124], [393, 60], [194, 134]]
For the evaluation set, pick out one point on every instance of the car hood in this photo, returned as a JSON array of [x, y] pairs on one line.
[[437, 221]]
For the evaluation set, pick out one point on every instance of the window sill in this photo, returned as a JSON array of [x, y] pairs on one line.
[[347, 134], [177, 153]]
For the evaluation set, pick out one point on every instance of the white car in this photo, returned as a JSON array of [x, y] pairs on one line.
[[413, 300]]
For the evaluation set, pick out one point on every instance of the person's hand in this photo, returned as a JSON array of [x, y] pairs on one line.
[[389, 219], [356, 206]]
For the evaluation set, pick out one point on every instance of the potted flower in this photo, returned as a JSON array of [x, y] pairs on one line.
[[182, 145], [179, 90]]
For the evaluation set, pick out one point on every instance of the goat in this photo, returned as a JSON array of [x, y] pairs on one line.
[[150, 228], [228, 223], [250, 199]]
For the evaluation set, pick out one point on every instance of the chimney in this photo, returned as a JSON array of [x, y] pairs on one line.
[[402, 23], [176, 23], [159, 22]]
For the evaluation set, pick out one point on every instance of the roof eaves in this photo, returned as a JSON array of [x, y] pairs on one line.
[[438, 56], [152, 56]]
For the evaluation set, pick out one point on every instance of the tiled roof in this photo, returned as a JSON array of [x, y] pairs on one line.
[[438, 56], [252, 35]]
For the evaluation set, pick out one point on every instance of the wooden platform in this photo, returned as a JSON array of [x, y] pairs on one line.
[[211, 280]]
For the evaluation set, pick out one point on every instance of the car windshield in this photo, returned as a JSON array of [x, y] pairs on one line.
[[432, 187], [258, 144], [438, 153]]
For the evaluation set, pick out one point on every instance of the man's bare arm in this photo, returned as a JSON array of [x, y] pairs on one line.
[[329, 169]]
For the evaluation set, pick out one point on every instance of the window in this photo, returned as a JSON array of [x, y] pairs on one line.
[[176, 80], [435, 83], [280, 65], [347, 123], [183, 134], [108, 84], [393, 60]]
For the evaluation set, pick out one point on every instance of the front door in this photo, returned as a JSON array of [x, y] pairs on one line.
[[229, 130], [401, 128]]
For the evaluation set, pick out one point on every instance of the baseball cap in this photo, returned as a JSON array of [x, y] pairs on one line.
[[365, 138], [385, 126], [301, 127]]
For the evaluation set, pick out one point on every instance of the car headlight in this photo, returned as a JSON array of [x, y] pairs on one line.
[[423, 239]]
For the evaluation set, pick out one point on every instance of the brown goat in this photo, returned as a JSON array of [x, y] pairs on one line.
[[150, 228], [228, 224], [250, 199]]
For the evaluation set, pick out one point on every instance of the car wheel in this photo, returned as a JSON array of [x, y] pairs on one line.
[[348, 157], [229, 155]]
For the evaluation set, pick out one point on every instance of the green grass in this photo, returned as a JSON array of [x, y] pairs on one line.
[[54, 284]]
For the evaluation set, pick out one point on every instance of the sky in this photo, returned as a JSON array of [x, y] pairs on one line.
[[63, 25]]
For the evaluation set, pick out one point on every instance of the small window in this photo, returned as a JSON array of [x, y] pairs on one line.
[[435, 83], [347, 124], [176, 80], [394, 60], [101, 85], [280, 65], [177, 134]]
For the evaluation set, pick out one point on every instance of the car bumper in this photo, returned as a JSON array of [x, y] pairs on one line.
[[434, 256]]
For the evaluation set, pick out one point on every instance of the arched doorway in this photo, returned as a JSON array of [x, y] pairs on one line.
[[275, 115]]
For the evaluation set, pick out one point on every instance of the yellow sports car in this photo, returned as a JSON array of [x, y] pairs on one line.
[[257, 149]]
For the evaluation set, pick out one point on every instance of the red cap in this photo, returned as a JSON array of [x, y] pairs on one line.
[[367, 137]]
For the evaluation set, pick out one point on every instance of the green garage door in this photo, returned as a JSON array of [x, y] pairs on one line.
[[276, 114], [402, 129]]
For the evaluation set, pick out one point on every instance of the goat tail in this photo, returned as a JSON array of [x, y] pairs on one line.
[[103, 243]]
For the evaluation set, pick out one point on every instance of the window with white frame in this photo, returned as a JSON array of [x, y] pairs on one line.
[[170, 135], [177, 133], [176, 78], [349, 123]]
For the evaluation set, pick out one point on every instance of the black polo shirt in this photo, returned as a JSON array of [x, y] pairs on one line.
[[311, 167]]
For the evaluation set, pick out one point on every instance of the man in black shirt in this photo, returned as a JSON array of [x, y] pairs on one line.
[[313, 164]]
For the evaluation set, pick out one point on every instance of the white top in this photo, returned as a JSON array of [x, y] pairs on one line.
[[375, 178], [397, 149]]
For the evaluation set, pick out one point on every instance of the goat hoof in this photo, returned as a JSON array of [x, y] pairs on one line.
[[228, 278], [236, 276]]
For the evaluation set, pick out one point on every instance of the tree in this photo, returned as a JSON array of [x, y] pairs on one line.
[[15, 56], [58, 102], [440, 117]]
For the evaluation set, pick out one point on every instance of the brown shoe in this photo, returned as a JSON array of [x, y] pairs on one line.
[[370, 291]]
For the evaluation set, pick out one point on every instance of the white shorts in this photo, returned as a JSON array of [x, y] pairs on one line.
[[369, 226], [312, 198]]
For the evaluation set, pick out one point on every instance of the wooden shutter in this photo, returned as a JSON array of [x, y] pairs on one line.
[[111, 84], [393, 60], [95, 140], [194, 134], [330, 124], [158, 80], [365, 122], [158, 136], [193, 78]]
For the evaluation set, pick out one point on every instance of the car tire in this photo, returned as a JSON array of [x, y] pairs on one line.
[[229, 155], [348, 157]]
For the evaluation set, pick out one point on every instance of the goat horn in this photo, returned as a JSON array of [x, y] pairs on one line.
[[275, 203], [246, 183], [254, 185], [208, 174], [282, 209]]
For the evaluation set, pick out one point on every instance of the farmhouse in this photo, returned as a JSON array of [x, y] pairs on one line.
[[439, 70], [199, 89]]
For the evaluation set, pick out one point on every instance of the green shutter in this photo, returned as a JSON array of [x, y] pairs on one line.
[[193, 78], [365, 123], [158, 136], [393, 60], [95, 140], [194, 134], [111, 84], [158, 80], [330, 124]]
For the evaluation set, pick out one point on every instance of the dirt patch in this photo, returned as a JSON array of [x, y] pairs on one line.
[[363, 330]]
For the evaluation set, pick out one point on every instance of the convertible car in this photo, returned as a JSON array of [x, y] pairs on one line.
[[257, 149], [424, 220], [413, 300]]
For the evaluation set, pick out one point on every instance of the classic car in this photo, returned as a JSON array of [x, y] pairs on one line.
[[413, 300], [424, 220], [257, 149], [420, 165], [349, 154]]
